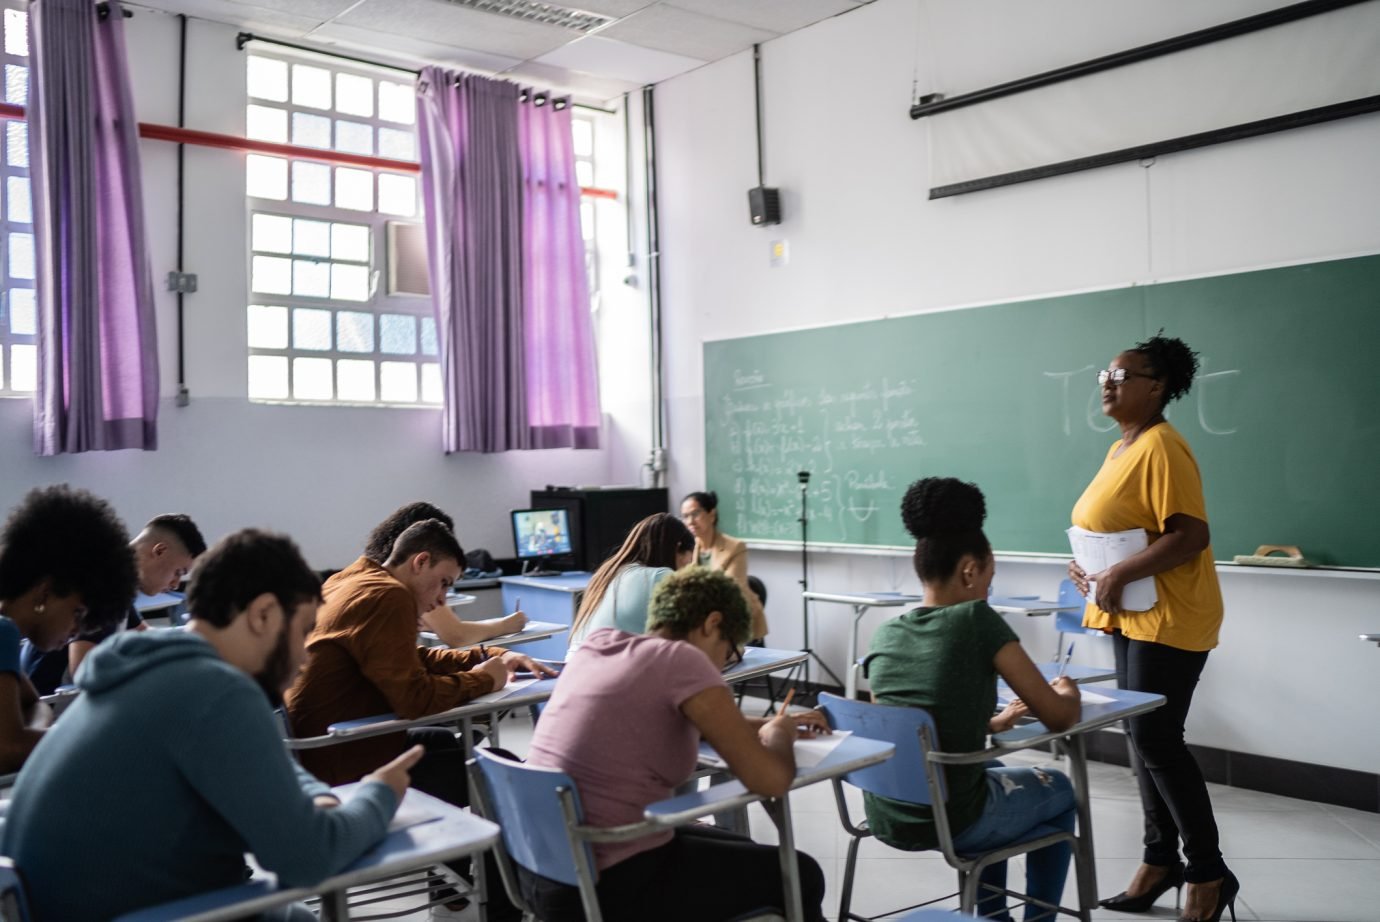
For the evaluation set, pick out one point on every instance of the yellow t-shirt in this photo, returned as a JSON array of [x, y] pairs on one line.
[[1155, 478]]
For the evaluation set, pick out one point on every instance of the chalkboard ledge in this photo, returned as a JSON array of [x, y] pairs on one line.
[[1061, 560]]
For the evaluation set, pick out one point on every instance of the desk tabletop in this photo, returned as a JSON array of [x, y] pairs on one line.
[[1371, 638], [574, 581], [1025, 605], [456, 599], [533, 630], [451, 835], [760, 661], [147, 603], [1095, 716], [868, 599], [851, 754]]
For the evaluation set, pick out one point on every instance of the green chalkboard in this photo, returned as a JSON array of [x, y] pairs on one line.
[[1284, 418]]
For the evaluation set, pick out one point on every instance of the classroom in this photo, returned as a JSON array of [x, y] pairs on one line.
[[968, 267]]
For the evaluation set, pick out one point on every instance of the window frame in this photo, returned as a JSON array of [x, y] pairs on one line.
[[10, 230]]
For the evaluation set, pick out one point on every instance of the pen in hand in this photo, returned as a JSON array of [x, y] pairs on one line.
[[1063, 664]]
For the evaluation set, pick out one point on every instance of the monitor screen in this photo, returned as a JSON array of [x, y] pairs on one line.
[[541, 532]]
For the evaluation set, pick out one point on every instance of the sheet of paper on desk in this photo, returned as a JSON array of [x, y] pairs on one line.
[[810, 751], [409, 815], [513, 686], [1096, 551], [1091, 697]]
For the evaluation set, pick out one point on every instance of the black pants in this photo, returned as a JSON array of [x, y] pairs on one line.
[[441, 773], [701, 875], [1173, 794]]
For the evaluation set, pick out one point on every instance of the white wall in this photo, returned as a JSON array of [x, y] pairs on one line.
[[323, 474], [1290, 679]]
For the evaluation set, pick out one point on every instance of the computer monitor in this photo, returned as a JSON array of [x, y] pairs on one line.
[[543, 537]]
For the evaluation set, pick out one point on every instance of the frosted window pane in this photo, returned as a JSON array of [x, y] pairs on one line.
[[23, 314], [311, 86], [268, 327], [17, 33], [18, 206], [311, 279], [397, 102], [431, 383], [311, 130], [354, 189], [21, 256], [397, 194], [272, 233], [354, 331], [398, 382], [23, 367], [582, 133], [354, 137], [2, 366], [17, 85], [265, 123], [354, 95], [587, 220], [268, 377], [397, 144], [428, 336], [272, 275], [584, 173], [350, 241], [311, 329], [311, 182], [398, 334], [268, 79], [17, 143], [354, 379], [311, 379], [349, 282], [265, 177], [311, 238]]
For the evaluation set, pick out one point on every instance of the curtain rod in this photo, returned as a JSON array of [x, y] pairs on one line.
[[245, 38]]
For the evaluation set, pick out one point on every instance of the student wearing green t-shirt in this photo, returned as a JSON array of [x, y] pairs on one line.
[[945, 657]]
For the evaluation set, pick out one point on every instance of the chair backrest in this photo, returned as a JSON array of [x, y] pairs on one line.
[[904, 775], [525, 801], [13, 906], [1069, 618]]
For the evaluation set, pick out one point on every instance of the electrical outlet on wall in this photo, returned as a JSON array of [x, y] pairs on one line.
[[780, 253]]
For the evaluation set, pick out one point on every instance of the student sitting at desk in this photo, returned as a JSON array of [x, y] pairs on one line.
[[618, 593], [453, 630], [65, 566], [163, 556], [945, 657], [174, 744], [668, 691]]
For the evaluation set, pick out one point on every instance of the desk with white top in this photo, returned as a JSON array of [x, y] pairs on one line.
[[861, 602]]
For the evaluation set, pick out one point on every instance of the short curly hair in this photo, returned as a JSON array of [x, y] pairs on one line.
[[379, 547], [75, 540], [243, 566], [683, 600], [945, 516], [1171, 361]]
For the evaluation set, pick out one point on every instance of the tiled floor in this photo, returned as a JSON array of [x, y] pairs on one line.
[[1298, 861]]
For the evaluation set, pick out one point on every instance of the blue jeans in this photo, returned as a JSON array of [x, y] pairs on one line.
[[1022, 803]]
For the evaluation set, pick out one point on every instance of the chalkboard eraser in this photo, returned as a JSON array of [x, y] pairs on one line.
[[1264, 556]]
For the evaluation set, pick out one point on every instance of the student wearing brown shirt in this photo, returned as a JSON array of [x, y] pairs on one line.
[[363, 660]]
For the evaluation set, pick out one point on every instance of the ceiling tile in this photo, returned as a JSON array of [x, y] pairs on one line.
[[682, 32], [607, 57], [774, 15], [408, 52], [320, 10], [615, 8], [585, 88], [447, 24], [244, 16]]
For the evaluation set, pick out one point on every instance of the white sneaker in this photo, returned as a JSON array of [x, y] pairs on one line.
[[443, 913]]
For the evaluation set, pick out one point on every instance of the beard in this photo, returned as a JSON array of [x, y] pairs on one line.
[[274, 677]]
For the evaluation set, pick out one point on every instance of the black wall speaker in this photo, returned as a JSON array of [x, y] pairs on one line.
[[765, 205]]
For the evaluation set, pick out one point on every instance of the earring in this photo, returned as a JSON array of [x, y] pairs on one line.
[[39, 608]]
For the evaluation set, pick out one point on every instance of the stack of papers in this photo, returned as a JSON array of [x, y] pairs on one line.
[[1096, 551]]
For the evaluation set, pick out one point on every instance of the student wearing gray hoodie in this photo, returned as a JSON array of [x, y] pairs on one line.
[[173, 746]]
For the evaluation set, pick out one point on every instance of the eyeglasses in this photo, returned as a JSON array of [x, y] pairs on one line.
[[735, 658], [1117, 376]]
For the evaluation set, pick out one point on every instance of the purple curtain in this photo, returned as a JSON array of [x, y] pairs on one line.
[[97, 346], [562, 381], [472, 190]]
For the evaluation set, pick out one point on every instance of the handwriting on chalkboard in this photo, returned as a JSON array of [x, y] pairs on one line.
[[1077, 381]]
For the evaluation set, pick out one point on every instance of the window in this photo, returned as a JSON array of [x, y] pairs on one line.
[[582, 128], [18, 309], [321, 328]]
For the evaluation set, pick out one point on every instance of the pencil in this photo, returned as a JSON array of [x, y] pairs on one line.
[[787, 703]]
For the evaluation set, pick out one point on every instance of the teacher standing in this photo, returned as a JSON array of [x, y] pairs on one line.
[[1150, 480], [717, 551]]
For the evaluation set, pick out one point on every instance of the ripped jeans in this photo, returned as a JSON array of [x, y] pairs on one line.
[[1022, 803]]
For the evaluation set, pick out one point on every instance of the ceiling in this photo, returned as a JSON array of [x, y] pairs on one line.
[[644, 42]]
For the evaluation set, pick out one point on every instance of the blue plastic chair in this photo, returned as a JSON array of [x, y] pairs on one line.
[[543, 830], [1069, 618], [907, 777], [14, 907]]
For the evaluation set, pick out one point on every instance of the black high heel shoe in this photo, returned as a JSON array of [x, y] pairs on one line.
[[1226, 899], [1173, 877]]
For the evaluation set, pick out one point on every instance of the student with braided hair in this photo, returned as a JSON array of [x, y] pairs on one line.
[[945, 657], [1150, 480]]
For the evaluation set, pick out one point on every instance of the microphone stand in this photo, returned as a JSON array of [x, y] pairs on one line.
[[804, 478]]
